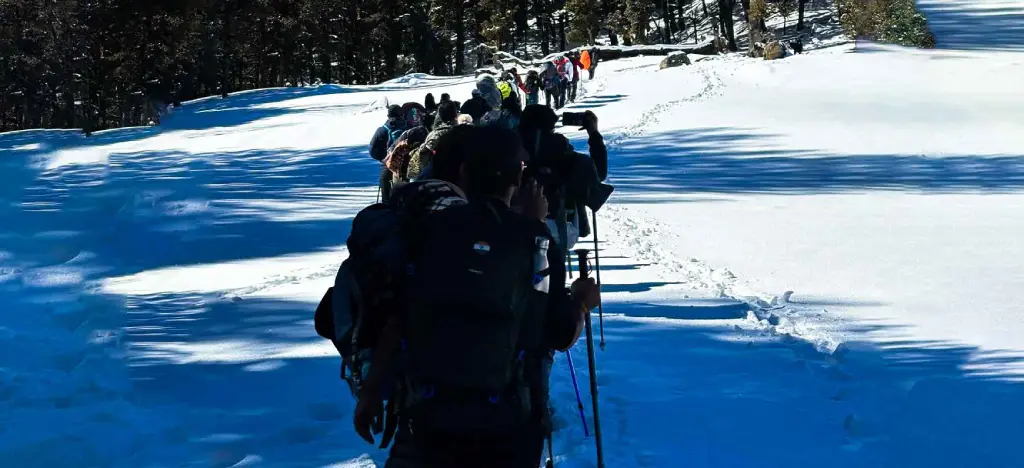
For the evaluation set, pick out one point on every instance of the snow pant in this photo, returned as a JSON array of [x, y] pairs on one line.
[[591, 71], [560, 99], [572, 90], [551, 94], [385, 184], [519, 447]]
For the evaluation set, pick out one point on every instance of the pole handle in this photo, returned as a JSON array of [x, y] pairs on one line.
[[584, 260]]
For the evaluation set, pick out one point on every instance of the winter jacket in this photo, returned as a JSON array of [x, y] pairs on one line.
[[398, 158], [580, 175], [381, 140], [487, 86], [511, 444], [585, 59], [424, 155], [550, 76], [533, 83], [576, 67], [477, 106]]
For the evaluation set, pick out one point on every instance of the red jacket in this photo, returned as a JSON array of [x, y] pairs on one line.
[[577, 66]]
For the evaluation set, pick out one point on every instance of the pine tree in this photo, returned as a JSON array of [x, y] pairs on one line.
[[638, 16], [583, 22]]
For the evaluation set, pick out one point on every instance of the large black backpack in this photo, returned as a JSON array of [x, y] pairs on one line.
[[368, 287], [354, 311], [469, 318]]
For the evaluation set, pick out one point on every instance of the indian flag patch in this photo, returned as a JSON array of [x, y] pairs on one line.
[[481, 247]]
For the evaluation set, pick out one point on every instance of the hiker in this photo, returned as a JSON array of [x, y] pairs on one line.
[[429, 104], [575, 79], [585, 62], [487, 407], [355, 314], [399, 157], [507, 116], [430, 109], [486, 97], [505, 88], [550, 79], [564, 68], [513, 78], [532, 87], [592, 65], [422, 156], [383, 140], [445, 97], [572, 180]]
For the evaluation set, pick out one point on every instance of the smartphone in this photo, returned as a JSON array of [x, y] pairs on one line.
[[573, 119]]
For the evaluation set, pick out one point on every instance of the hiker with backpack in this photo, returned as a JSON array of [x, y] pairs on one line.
[[479, 277], [532, 87], [382, 142], [588, 58], [506, 117], [575, 81], [565, 76], [486, 97], [399, 157], [421, 158], [550, 79]]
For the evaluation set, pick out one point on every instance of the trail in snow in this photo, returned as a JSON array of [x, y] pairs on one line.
[[160, 282]]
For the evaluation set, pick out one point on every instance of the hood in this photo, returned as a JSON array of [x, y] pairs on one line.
[[500, 118], [488, 89], [428, 196]]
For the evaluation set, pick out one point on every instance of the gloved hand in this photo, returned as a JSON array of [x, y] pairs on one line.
[[589, 121], [368, 416]]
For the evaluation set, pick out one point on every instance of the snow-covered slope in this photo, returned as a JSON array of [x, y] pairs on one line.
[[807, 262]]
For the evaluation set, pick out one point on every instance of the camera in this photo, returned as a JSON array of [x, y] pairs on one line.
[[573, 119]]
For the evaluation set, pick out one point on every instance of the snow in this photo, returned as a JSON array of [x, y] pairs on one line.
[[806, 262]]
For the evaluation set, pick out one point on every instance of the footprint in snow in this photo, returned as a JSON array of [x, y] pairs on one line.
[[325, 412], [304, 434]]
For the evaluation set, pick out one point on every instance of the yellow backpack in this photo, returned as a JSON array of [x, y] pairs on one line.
[[505, 89]]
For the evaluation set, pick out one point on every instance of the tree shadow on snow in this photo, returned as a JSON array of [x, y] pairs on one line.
[[676, 388], [716, 160], [975, 25], [251, 377], [239, 108], [68, 228]]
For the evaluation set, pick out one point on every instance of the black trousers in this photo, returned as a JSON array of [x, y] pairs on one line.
[[522, 448], [385, 184]]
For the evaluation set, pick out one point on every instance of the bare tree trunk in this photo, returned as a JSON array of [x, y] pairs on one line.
[[561, 31], [800, 15], [725, 8], [460, 38], [667, 18]]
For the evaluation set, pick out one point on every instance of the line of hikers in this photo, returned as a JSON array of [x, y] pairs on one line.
[[453, 300], [559, 78]]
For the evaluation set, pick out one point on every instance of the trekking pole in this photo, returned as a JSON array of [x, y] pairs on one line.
[[576, 386], [597, 266], [584, 273], [568, 259]]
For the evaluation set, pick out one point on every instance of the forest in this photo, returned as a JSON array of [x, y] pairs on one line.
[[98, 64]]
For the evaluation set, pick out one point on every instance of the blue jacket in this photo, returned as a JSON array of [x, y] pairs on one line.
[[381, 139]]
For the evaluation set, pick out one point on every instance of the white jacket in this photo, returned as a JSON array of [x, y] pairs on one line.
[[568, 69]]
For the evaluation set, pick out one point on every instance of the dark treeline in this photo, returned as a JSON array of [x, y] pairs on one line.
[[97, 64]]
